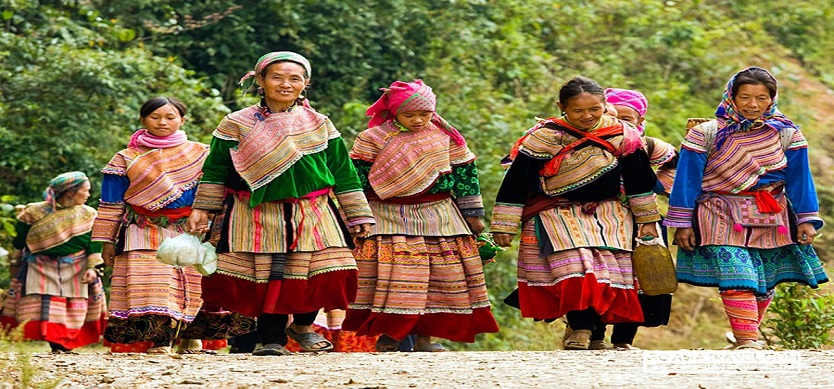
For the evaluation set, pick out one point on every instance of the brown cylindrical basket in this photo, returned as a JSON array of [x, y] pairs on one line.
[[654, 269]]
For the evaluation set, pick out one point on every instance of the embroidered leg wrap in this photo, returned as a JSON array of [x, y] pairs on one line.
[[742, 310], [762, 302]]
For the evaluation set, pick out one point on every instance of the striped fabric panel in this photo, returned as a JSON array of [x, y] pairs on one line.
[[696, 139], [609, 267], [268, 147], [150, 236], [798, 141], [263, 229], [70, 312], [715, 220], [742, 159], [49, 276], [611, 225], [410, 163], [141, 285], [661, 153], [299, 265], [437, 218], [666, 177], [160, 176], [58, 227], [679, 217], [420, 275], [109, 221]]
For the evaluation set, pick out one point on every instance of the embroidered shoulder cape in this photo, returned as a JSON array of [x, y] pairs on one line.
[[269, 145], [406, 163], [51, 229], [158, 176]]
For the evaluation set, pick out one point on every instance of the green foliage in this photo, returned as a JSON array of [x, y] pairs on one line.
[[7, 233], [802, 317]]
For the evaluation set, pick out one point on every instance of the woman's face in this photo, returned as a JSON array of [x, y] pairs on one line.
[[415, 120], [79, 197], [164, 121], [283, 82], [583, 110], [752, 100], [629, 115]]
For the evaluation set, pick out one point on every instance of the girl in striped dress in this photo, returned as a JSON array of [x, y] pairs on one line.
[[419, 268], [146, 196], [55, 289], [577, 226], [745, 205]]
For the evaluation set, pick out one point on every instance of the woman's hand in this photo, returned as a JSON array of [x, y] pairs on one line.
[[648, 229], [475, 223], [503, 239], [197, 223], [89, 276], [685, 238], [362, 230], [108, 253], [805, 233]]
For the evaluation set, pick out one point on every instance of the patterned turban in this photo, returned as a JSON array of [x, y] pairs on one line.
[[406, 97], [270, 58], [629, 98], [63, 183]]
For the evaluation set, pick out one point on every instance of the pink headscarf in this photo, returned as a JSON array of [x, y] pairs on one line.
[[405, 97], [629, 98]]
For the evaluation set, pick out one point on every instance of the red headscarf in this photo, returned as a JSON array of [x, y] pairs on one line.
[[405, 97]]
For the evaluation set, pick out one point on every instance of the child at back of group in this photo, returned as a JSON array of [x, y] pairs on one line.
[[419, 268]]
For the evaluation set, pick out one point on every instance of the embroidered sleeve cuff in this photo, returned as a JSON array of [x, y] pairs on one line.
[[470, 202], [644, 208], [209, 197], [505, 218], [108, 222], [679, 217], [356, 208], [810, 217], [473, 212], [94, 260]]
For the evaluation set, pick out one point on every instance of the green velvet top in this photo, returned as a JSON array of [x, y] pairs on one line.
[[328, 168], [74, 245], [463, 181]]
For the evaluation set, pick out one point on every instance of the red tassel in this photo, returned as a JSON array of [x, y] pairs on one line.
[[766, 202]]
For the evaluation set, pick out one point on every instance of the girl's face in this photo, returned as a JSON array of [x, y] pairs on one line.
[[79, 197], [628, 114], [415, 120], [583, 110], [283, 82], [164, 121], [752, 100]]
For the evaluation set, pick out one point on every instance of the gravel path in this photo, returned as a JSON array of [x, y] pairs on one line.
[[519, 369]]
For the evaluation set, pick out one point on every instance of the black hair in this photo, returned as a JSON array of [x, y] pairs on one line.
[[755, 76], [576, 86], [153, 104]]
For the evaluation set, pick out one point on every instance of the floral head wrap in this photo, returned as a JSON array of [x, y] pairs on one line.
[[629, 98], [248, 80], [405, 97], [730, 120], [62, 183]]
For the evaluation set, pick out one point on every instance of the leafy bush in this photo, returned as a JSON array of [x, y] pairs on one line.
[[801, 317]]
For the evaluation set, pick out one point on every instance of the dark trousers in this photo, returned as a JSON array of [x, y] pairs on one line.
[[271, 326]]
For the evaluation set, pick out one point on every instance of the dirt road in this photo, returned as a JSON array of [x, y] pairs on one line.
[[522, 369]]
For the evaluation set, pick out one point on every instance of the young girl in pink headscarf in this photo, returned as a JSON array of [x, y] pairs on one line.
[[419, 268]]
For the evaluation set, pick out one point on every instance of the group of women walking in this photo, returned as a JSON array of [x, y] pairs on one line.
[[387, 230]]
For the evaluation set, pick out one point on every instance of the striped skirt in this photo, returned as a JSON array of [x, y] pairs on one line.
[[429, 286], [70, 314], [562, 270], [142, 286]]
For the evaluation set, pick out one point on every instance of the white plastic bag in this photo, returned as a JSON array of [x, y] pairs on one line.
[[184, 250], [209, 264]]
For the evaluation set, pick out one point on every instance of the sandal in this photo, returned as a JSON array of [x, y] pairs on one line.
[[387, 344], [750, 345], [578, 340], [599, 345], [190, 346], [625, 346], [271, 349], [308, 340]]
